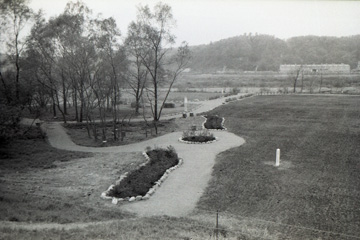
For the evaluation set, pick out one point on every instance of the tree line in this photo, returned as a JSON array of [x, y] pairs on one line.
[[80, 60], [259, 52]]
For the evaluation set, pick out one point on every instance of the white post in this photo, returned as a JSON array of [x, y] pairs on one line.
[[185, 104], [277, 163]]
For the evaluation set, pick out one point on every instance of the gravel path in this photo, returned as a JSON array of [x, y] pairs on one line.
[[179, 194]]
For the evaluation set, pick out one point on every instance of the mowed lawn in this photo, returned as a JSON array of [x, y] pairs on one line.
[[317, 185]]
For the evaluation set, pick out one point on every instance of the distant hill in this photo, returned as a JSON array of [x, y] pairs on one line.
[[266, 53]]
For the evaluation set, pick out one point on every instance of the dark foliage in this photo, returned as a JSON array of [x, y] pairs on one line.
[[141, 180], [266, 53], [213, 122], [169, 105], [199, 139]]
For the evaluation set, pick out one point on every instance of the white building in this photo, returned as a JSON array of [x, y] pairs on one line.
[[316, 68]]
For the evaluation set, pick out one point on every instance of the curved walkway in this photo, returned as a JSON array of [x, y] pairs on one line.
[[179, 194]]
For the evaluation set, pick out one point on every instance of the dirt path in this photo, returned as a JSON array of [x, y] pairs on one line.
[[179, 194]]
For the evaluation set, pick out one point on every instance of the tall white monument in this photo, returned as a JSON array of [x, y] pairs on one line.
[[185, 104]]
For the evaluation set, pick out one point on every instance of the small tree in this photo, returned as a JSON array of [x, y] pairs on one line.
[[156, 42], [294, 75], [137, 73], [14, 15]]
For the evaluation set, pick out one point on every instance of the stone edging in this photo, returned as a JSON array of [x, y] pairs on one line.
[[222, 125], [104, 195], [189, 142]]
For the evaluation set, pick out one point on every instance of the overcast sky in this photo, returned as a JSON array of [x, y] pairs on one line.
[[203, 21]]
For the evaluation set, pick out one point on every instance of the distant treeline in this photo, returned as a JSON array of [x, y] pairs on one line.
[[266, 53]]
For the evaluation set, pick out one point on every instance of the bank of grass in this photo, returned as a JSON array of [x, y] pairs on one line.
[[23, 187], [31, 151], [318, 183], [144, 228]]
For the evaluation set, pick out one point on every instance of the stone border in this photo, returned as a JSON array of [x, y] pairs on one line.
[[213, 129], [189, 142], [104, 195]]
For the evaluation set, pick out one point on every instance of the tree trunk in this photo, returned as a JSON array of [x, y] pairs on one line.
[[53, 103], [64, 94], [155, 127], [75, 105], [82, 102], [115, 112]]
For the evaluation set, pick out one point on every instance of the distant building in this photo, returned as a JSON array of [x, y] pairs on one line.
[[316, 68]]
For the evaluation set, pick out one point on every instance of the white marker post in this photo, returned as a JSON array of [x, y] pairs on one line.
[[277, 163], [185, 104]]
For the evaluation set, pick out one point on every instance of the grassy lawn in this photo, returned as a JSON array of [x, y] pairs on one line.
[[318, 183], [261, 80], [42, 184], [314, 194]]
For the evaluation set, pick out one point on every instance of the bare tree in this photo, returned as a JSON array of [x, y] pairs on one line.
[[14, 15], [137, 73], [156, 42], [295, 75]]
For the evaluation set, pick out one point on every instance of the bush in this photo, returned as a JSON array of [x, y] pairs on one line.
[[198, 136], [214, 97], [141, 180], [169, 105], [231, 99], [213, 122]]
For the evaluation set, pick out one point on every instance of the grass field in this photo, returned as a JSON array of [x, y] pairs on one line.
[[314, 194], [318, 183], [261, 80]]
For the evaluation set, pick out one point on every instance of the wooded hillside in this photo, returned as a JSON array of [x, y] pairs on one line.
[[266, 53]]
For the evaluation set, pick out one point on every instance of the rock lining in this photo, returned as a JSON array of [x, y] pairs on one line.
[[190, 142]]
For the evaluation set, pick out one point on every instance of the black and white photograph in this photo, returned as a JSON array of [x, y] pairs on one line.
[[179, 119]]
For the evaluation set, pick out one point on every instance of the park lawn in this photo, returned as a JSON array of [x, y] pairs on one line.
[[317, 185], [42, 184]]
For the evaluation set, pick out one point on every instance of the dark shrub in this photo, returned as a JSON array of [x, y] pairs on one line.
[[169, 105], [199, 139], [213, 122], [141, 180]]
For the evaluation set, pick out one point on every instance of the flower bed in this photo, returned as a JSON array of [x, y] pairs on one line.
[[199, 139], [141, 183], [214, 122], [203, 136]]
